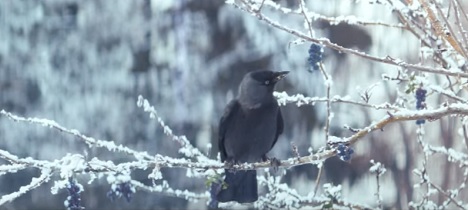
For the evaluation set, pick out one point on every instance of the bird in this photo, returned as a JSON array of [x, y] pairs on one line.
[[248, 130]]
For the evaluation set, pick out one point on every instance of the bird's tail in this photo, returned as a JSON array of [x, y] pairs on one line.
[[242, 187]]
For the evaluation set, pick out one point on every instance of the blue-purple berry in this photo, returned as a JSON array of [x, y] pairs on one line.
[[122, 189], [73, 200], [315, 56], [420, 96], [344, 152]]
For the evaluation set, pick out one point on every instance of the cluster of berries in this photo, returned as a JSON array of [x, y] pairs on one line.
[[122, 189], [420, 102], [344, 152], [73, 200], [315, 55]]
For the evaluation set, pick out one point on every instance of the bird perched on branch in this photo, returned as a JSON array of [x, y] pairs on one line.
[[248, 130]]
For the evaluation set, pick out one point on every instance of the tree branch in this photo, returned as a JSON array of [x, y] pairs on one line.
[[328, 43]]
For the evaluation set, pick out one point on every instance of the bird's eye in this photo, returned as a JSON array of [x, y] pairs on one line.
[[266, 82]]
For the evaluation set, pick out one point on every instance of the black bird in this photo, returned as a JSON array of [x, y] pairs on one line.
[[248, 129]]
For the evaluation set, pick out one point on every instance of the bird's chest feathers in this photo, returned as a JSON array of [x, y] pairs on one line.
[[256, 125], [259, 115]]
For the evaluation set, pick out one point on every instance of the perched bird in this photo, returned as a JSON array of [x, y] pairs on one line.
[[248, 130]]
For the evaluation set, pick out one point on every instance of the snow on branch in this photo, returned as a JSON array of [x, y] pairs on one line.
[[147, 161], [332, 20], [72, 164], [247, 7], [109, 145], [35, 182], [283, 98], [457, 109]]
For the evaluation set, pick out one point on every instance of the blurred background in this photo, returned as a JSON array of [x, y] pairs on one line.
[[84, 63]]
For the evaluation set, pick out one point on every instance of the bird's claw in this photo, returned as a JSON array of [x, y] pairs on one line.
[[229, 164], [275, 163]]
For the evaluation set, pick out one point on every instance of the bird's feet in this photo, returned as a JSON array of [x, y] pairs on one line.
[[275, 163], [229, 163]]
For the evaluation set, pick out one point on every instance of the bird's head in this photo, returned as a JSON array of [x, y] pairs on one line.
[[257, 87]]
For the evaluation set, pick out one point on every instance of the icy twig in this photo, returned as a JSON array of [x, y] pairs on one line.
[[109, 145], [167, 190], [186, 147], [332, 20], [439, 29], [447, 93], [307, 20], [379, 170], [447, 195], [452, 109], [35, 182], [164, 161], [283, 98], [328, 43]]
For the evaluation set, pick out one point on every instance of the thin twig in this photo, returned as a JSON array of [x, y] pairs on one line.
[[447, 195], [301, 100], [328, 43], [35, 182], [333, 20], [448, 94], [164, 161], [459, 23], [439, 29], [317, 180], [449, 28], [302, 9], [461, 9], [88, 140], [459, 109], [327, 79]]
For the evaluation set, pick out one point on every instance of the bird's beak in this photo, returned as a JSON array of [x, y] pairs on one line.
[[279, 75]]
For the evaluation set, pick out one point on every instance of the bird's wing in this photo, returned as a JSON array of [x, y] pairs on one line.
[[230, 109], [280, 126]]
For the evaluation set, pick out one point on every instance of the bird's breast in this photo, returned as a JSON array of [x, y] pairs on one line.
[[251, 133]]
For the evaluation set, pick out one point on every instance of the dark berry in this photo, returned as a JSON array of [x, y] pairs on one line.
[[344, 152], [420, 96], [315, 56], [420, 122], [118, 190], [73, 200]]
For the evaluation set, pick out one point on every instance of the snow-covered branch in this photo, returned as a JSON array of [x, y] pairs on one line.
[[429, 91], [91, 142], [451, 110], [35, 182], [283, 98], [245, 6]]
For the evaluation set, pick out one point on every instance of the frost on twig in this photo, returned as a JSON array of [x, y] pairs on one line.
[[378, 169], [245, 6], [72, 164], [35, 182]]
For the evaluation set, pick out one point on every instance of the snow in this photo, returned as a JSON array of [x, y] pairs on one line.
[[71, 104], [58, 185], [330, 190], [377, 167], [283, 98]]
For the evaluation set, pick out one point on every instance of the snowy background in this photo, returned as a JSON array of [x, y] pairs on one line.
[[84, 63]]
